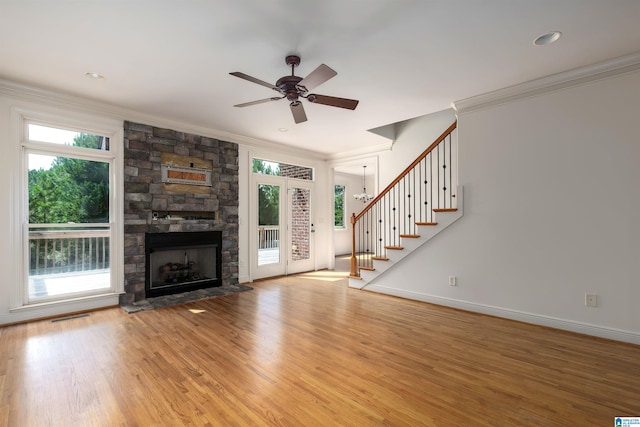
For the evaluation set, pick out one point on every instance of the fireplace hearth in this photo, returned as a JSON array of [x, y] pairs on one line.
[[182, 261]]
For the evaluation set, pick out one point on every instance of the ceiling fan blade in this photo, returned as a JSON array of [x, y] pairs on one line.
[[254, 80], [259, 101], [297, 110], [317, 77], [349, 104]]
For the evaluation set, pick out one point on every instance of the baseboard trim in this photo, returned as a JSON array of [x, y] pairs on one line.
[[521, 316], [58, 308]]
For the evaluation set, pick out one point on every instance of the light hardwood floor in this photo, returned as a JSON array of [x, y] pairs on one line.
[[307, 350]]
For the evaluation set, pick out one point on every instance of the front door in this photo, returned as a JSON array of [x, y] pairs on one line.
[[283, 227]]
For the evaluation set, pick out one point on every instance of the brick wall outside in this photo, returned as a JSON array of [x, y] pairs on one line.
[[144, 193], [300, 224], [292, 171]]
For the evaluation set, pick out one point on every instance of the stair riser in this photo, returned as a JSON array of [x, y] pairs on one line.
[[426, 232]]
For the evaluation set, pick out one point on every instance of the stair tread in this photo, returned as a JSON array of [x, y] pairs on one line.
[[397, 248], [410, 236], [426, 223], [380, 258], [367, 268], [445, 210]]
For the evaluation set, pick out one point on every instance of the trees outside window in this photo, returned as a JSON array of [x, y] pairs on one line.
[[339, 208], [68, 180]]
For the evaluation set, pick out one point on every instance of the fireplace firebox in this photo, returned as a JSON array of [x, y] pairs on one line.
[[182, 261]]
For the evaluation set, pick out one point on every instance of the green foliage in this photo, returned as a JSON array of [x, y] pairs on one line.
[[338, 211], [268, 204], [72, 190], [266, 168], [268, 195]]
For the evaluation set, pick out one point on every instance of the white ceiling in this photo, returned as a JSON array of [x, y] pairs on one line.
[[400, 58]]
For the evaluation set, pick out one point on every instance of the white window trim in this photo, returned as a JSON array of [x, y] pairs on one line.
[[67, 119]]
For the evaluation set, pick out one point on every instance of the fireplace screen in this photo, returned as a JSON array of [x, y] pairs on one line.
[[181, 266], [179, 262]]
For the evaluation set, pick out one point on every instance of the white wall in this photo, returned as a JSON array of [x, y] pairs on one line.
[[412, 138], [9, 262], [552, 209]]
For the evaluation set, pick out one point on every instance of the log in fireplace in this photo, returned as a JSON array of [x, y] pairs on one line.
[[182, 261]]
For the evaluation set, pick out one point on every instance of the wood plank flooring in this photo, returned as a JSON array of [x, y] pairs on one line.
[[309, 351]]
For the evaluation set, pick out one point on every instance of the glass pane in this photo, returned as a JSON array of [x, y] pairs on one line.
[[338, 210], [282, 169], [67, 190], [266, 168], [300, 224], [268, 224], [67, 261], [66, 137]]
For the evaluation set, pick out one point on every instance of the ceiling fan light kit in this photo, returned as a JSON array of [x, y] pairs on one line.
[[294, 88]]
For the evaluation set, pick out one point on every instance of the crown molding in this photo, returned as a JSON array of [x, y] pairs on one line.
[[360, 152], [552, 83], [61, 100]]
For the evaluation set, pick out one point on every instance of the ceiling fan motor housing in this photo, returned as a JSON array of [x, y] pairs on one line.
[[289, 86]]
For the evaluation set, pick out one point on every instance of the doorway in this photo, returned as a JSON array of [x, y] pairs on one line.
[[282, 224]]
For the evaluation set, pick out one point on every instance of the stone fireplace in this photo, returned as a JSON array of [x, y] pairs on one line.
[[154, 207]]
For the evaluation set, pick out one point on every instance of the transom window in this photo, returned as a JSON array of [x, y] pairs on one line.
[[42, 133], [266, 167]]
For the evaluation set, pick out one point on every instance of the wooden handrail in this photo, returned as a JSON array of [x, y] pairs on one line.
[[407, 170], [354, 218]]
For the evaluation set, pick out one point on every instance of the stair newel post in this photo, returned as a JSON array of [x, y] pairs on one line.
[[354, 260]]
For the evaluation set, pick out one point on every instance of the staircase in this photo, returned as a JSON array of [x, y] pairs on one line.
[[416, 206]]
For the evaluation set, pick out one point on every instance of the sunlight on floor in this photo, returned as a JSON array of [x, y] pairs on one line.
[[340, 272], [326, 275]]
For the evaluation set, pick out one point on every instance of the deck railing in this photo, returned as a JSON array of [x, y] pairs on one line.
[[426, 185], [63, 251], [268, 236]]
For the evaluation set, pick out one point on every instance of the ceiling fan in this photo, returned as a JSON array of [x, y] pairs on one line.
[[293, 88]]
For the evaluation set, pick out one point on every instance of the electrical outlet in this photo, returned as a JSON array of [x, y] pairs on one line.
[[452, 280], [591, 300]]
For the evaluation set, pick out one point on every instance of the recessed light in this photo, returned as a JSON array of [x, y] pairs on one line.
[[547, 38], [283, 129], [94, 76]]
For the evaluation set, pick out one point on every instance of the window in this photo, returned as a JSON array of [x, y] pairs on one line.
[[339, 206], [70, 226], [282, 169]]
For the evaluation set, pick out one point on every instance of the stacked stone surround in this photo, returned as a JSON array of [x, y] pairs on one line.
[[145, 193]]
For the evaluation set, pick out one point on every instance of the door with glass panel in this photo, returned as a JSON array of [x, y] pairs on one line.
[[282, 219], [301, 227], [67, 227], [269, 254]]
